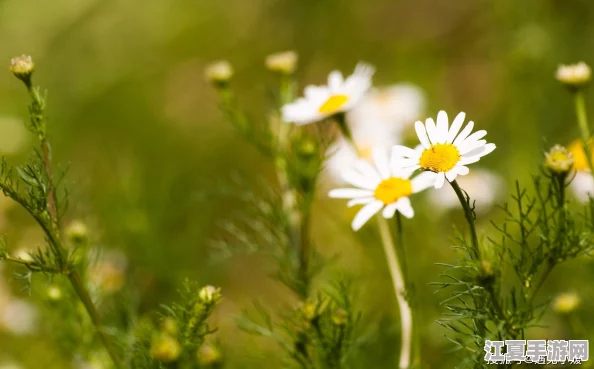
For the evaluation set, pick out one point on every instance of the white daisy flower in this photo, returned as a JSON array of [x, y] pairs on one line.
[[384, 185], [340, 95], [445, 151], [483, 186]]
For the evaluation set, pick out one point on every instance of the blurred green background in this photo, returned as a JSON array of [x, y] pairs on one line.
[[131, 112]]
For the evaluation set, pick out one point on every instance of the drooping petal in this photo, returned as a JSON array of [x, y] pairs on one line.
[[462, 170], [422, 134], [423, 181], [367, 170], [389, 210], [439, 180], [451, 175], [365, 214], [349, 193], [404, 207], [455, 127]]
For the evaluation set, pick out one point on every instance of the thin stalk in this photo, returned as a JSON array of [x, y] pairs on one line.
[[345, 130], [406, 317], [469, 214], [582, 118], [53, 232]]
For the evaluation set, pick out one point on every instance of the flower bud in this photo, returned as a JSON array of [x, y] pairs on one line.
[[170, 326], [208, 355], [165, 348], [22, 67], [219, 73], [566, 302], [209, 294], [574, 75], [309, 311], [559, 160], [283, 62], [77, 232]]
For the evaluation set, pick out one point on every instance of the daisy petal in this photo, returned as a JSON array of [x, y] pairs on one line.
[[349, 193], [404, 207], [356, 179], [431, 130], [407, 152], [423, 181], [334, 80], [422, 134], [439, 180], [389, 210], [489, 149], [456, 125], [367, 170], [359, 201], [380, 158], [365, 214], [465, 132], [462, 170], [451, 175], [442, 127]]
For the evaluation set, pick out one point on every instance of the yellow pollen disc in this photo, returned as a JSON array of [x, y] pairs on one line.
[[391, 189], [333, 104], [580, 162], [440, 158]]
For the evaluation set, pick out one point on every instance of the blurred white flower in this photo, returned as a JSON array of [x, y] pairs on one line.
[[483, 186], [582, 184], [445, 149], [379, 120], [18, 317], [282, 62], [384, 185], [574, 74], [397, 107], [339, 96]]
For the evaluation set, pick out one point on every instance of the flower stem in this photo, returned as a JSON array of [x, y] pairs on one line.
[[38, 120], [469, 214], [345, 130], [406, 317], [582, 118]]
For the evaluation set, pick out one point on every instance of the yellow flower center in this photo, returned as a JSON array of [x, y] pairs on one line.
[[580, 161], [440, 158], [333, 104], [391, 189]]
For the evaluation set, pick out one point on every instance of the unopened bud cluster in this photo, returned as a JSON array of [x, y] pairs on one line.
[[283, 62], [219, 73], [209, 294], [22, 67]]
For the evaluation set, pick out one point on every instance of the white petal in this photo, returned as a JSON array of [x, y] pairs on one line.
[[335, 80], [461, 170], [422, 134], [316, 93], [404, 207], [477, 151], [407, 152], [349, 193], [465, 132], [469, 159], [380, 158], [451, 175], [423, 181], [456, 125], [439, 180], [489, 149], [365, 214], [389, 210], [469, 146], [431, 130], [475, 136], [356, 179], [360, 200], [367, 170], [442, 126]]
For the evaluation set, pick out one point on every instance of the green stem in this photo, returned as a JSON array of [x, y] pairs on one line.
[[469, 214], [582, 118], [345, 130], [406, 317]]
